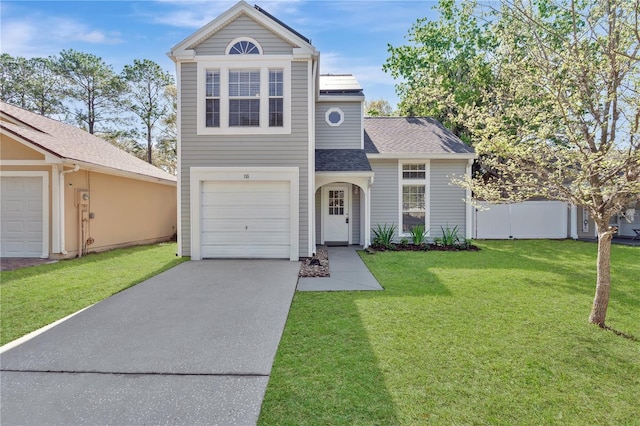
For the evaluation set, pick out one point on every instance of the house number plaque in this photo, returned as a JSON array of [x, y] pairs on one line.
[[246, 176]]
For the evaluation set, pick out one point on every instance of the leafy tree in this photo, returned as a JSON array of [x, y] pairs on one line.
[[548, 91], [93, 83], [146, 95], [31, 84], [378, 108], [12, 87], [167, 149], [445, 67], [562, 120]]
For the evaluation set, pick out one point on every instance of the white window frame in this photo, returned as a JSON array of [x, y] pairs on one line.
[[240, 39], [328, 114], [242, 62], [427, 193]]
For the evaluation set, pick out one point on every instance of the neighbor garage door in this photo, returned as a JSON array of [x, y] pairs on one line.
[[530, 219], [245, 219], [21, 218]]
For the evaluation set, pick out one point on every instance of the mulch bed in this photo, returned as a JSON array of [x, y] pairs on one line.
[[316, 266], [425, 247]]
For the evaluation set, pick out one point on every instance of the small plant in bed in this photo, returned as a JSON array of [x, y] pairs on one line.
[[451, 241]]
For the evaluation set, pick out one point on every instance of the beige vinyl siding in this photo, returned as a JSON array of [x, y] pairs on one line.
[[384, 193], [446, 205], [348, 135], [245, 150], [243, 27]]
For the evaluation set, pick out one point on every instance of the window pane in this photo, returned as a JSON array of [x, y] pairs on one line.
[[244, 48], [276, 83], [413, 171], [244, 83], [413, 206], [213, 84], [212, 113], [244, 112], [276, 114]]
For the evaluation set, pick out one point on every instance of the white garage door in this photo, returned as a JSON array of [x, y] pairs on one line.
[[530, 219], [245, 219], [21, 231]]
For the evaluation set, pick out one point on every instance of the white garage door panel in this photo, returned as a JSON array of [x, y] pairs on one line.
[[245, 219], [21, 233]]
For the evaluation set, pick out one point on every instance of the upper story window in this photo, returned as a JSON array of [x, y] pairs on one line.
[[244, 47], [242, 94]]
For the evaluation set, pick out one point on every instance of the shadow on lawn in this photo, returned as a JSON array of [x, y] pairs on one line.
[[573, 261], [325, 370]]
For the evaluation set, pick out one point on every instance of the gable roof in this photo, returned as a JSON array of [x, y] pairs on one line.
[[184, 49], [73, 144], [412, 136]]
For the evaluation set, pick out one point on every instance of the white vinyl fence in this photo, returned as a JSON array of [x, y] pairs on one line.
[[529, 219]]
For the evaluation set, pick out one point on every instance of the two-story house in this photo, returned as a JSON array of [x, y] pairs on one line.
[[276, 158]]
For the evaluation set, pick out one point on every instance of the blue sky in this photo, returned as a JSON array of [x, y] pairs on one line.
[[351, 35]]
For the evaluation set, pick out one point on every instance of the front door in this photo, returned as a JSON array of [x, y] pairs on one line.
[[336, 205]]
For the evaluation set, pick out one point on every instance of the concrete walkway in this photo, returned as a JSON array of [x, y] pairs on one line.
[[347, 273], [193, 345]]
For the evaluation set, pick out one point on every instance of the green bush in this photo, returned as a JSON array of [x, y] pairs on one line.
[[383, 236], [450, 237], [418, 235]]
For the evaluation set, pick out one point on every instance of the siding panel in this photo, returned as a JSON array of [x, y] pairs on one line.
[[346, 136], [244, 27], [384, 193], [245, 150], [447, 206]]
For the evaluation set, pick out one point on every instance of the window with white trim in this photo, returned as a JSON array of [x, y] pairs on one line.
[[413, 200], [244, 91], [212, 100], [244, 98], [276, 98]]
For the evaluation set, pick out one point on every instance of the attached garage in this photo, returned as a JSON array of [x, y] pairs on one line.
[[245, 219], [24, 214], [244, 213], [529, 219]]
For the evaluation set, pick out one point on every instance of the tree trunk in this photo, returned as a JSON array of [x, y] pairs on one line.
[[603, 284], [149, 146]]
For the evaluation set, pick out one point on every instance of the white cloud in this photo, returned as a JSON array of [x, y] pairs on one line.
[[37, 36]]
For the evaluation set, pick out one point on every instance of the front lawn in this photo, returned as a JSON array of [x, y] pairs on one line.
[[33, 297], [499, 336]]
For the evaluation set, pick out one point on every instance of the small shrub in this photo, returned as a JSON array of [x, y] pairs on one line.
[[404, 242], [465, 244], [449, 237], [418, 235], [383, 236]]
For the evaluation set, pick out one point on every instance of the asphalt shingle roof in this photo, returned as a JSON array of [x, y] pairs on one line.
[[71, 143], [342, 160], [410, 135]]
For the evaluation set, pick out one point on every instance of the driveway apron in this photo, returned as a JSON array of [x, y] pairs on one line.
[[193, 345]]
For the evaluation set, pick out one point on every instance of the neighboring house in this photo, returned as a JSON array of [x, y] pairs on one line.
[[66, 192], [275, 158]]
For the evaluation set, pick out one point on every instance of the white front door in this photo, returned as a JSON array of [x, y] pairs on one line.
[[335, 212]]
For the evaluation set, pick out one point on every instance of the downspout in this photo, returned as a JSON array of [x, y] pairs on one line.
[[61, 213]]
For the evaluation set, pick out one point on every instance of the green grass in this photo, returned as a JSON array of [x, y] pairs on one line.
[[33, 297], [499, 336]]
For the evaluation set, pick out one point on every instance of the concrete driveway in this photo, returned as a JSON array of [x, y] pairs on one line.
[[193, 345]]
